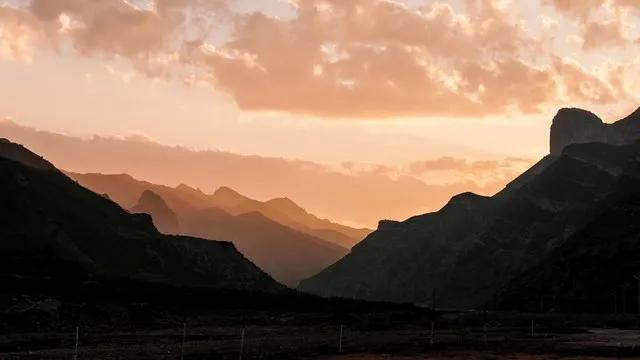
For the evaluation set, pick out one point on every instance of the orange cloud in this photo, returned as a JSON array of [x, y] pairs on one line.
[[464, 166], [335, 58], [380, 59], [598, 33]]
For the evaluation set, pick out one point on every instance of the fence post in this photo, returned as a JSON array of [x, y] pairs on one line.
[[184, 336], [532, 329], [241, 344], [340, 342], [75, 354], [484, 330], [433, 334]]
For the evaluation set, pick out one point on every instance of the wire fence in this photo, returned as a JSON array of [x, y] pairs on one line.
[[276, 341]]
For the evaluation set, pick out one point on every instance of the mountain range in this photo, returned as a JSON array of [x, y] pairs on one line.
[[349, 193], [278, 235], [492, 250], [563, 236], [51, 227]]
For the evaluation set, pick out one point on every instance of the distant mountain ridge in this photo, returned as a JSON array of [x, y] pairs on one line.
[[49, 223], [126, 191], [286, 254], [284, 248], [475, 245]]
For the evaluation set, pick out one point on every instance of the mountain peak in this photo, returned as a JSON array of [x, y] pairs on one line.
[[225, 190], [226, 197], [286, 205], [187, 188], [163, 217], [573, 125]]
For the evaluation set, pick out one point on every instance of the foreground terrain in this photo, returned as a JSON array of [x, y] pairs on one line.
[[391, 333]]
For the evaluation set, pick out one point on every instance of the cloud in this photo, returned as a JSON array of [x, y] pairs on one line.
[[603, 22], [598, 35], [464, 166], [333, 58], [19, 31], [384, 60]]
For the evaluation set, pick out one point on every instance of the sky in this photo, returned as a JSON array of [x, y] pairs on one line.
[[415, 87]]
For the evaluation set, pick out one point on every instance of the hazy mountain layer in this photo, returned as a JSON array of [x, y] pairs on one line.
[[276, 246], [126, 191], [286, 254]]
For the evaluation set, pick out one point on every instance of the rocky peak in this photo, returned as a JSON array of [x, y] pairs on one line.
[[571, 126], [574, 126], [388, 225]]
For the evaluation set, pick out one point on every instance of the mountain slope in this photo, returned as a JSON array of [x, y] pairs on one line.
[[468, 256], [287, 212], [286, 254], [46, 218], [596, 269]]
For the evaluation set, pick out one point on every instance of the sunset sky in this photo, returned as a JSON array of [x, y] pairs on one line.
[[431, 89]]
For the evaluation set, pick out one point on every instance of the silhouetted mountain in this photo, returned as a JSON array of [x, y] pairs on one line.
[[475, 245], [596, 269], [163, 217], [126, 191], [574, 126], [286, 254], [49, 223]]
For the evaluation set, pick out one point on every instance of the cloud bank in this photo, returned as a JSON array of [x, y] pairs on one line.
[[336, 58]]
